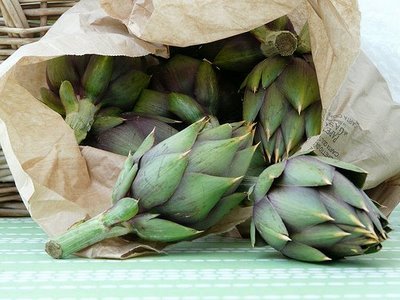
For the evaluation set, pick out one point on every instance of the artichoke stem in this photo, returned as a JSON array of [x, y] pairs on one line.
[[111, 223], [273, 42]]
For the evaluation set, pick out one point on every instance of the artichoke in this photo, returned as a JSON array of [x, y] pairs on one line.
[[282, 94], [184, 185], [312, 209], [191, 87]]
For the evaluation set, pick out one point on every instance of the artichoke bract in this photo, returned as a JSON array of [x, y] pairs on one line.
[[184, 185], [313, 209]]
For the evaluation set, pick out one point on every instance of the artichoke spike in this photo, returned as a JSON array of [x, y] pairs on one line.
[[268, 145], [279, 150]]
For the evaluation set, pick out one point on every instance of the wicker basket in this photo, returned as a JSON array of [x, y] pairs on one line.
[[25, 21], [22, 22]]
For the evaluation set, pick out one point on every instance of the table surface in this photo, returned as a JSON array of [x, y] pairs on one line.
[[214, 268]]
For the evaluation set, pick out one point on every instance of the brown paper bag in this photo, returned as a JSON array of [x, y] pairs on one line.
[[61, 183]]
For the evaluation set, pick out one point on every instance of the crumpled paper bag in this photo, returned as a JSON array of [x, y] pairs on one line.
[[62, 183]]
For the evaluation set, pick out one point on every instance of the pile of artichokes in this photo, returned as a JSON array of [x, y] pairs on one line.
[[214, 127]]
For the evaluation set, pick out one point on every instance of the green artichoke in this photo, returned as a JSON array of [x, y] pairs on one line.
[[184, 185], [312, 209]]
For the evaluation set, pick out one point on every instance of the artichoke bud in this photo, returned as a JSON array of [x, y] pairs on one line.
[[206, 87], [311, 208], [185, 107], [178, 195], [178, 74], [152, 102], [125, 90], [60, 69], [97, 76]]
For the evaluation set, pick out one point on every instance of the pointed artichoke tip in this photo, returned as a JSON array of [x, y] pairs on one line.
[[299, 109], [327, 181], [326, 258], [364, 208], [185, 154], [285, 238], [342, 234], [325, 217], [269, 157], [237, 179], [268, 134]]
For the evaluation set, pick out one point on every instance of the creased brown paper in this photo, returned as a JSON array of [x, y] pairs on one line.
[[61, 183]]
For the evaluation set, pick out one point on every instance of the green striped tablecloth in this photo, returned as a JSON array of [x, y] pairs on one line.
[[215, 268]]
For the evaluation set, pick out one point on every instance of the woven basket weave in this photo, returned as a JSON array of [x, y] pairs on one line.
[[22, 22], [25, 21]]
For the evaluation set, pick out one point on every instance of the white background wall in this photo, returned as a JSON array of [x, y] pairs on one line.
[[380, 38]]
